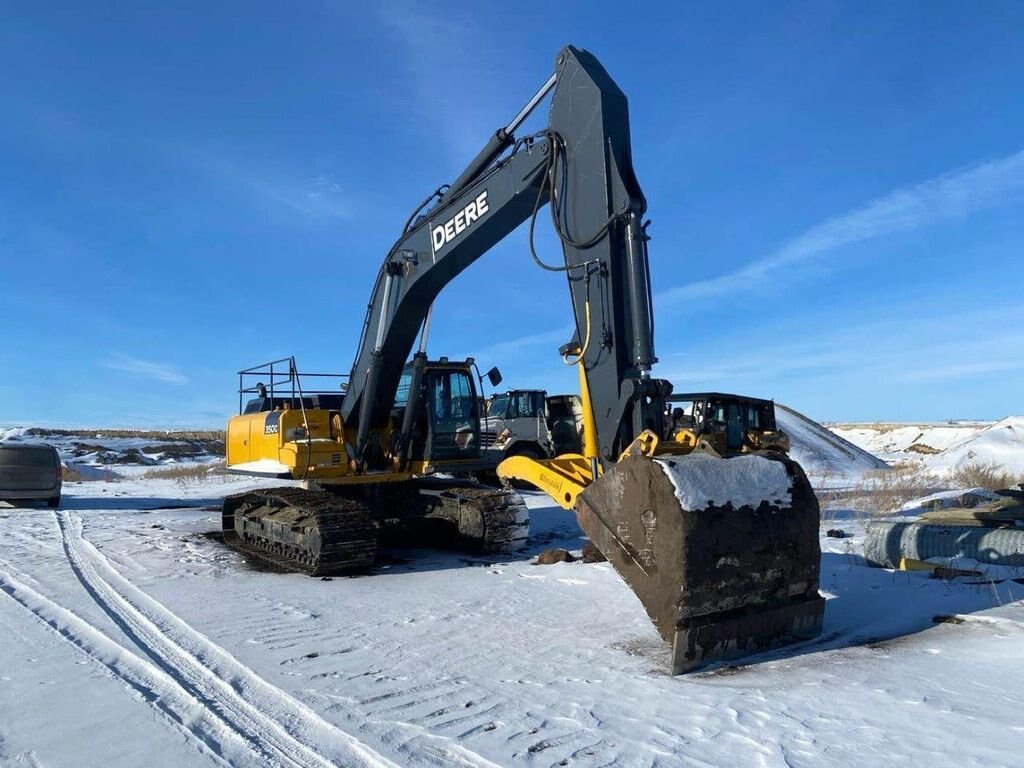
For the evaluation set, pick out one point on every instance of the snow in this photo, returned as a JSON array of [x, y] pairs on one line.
[[894, 441], [944, 499], [701, 480], [944, 447], [1002, 444], [827, 458], [130, 636]]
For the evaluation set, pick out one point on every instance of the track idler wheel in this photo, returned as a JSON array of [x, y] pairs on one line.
[[722, 552], [484, 519]]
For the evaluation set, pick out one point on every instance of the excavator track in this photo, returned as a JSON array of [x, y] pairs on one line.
[[487, 519], [312, 532], [321, 533]]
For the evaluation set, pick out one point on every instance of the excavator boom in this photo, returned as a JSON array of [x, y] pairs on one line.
[[581, 167]]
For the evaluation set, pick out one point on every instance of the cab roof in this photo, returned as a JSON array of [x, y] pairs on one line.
[[676, 397]]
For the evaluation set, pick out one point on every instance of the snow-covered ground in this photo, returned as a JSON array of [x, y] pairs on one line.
[[941, 447], [132, 637]]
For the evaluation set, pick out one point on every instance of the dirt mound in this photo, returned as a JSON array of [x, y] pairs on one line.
[[552, 556]]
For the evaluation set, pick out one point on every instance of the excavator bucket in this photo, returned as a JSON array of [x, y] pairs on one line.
[[722, 552]]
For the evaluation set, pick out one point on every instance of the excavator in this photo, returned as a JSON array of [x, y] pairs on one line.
[[721, 550]]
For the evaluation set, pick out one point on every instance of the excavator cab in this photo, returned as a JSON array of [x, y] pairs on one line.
[[289, 429], [448, 427]]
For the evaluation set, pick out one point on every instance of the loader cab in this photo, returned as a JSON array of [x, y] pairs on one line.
[[725, 418]]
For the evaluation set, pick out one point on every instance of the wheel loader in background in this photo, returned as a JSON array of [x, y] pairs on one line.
[[724, 424], [722, 552]]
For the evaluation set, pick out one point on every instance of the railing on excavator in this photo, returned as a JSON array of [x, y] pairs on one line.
[[281, 380]]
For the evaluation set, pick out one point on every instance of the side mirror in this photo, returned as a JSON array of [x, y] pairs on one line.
[[494, 376]]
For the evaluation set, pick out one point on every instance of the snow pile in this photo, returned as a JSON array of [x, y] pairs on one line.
[[702, 480], [90, 472], [822, 452], [1001, 444], [9, 433], [91, 455], [944, 447], [895, 442]]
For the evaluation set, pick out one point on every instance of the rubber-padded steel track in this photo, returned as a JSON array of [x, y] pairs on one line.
[[314, 532]]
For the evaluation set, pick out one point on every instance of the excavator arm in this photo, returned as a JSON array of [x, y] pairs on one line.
[[581, 166]]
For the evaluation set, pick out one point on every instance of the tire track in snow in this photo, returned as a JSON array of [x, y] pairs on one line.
[[155, 686], [280, 728]]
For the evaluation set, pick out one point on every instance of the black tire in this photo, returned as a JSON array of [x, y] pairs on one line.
[[53, 502]]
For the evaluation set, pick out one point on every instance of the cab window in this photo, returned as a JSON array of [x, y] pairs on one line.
[[451, 404], [402, 393], [498, 407], [526, 405]]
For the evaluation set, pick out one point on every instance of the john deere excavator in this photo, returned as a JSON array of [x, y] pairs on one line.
[[722, 552]]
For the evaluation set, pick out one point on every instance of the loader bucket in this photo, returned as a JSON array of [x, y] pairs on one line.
[[722, 552]]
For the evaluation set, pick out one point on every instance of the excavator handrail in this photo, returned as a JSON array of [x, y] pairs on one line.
[[288, 374]]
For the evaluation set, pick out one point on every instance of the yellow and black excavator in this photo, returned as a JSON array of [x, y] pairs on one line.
[[722, 550]]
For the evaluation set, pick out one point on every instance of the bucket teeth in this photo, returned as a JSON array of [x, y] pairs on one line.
[[733, 574]]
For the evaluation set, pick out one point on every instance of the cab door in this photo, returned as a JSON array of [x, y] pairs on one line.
[[453, 423], [735, 433]]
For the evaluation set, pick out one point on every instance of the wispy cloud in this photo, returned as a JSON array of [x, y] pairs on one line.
[[913, 343], [523, 346], [316, 197], [145, 368], [950, 196], [313, 193], [452, 64], [970, 368]]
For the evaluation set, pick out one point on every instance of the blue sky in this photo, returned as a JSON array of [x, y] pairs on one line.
[[836, 192]]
